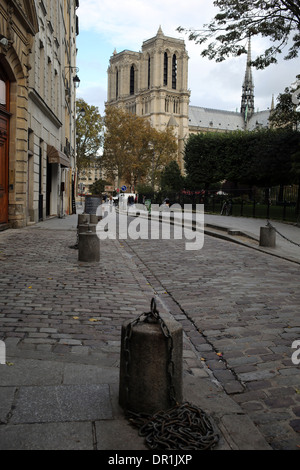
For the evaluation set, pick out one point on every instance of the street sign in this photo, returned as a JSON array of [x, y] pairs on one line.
[[124, 188]]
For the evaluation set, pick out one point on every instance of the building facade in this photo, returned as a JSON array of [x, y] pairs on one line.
[[37, 64], [154, 83]]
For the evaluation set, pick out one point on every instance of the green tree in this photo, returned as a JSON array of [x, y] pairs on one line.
[[98, 186], [279, 20], [89, 134], [286, 113], [261, 158], [203, 159], [171, 177]]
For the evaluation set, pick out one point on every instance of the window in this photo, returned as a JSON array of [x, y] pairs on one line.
[[2, 93], [117, 84], [149, 72], [165, 69], [174, 72], [132, 80]]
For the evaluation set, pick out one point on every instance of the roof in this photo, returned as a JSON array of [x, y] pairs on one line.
[[225, 120]]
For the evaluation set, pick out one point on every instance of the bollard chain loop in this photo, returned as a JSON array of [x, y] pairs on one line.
[[184, 426], [151, 317]]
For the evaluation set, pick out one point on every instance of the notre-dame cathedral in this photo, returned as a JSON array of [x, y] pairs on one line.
[[154, 83]]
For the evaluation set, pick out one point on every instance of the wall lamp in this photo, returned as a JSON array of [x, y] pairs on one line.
[[76, 79]]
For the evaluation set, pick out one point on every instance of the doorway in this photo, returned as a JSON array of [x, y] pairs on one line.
[[4, 131]]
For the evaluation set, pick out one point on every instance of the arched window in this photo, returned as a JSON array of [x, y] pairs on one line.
[[165, 68], [149, 72], [117, 84], [174, 72], [2, 93], [132, 80]]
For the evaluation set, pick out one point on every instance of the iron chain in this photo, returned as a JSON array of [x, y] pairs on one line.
[[184, 426]]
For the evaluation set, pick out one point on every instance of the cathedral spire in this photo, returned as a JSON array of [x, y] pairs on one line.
[[247, 105]]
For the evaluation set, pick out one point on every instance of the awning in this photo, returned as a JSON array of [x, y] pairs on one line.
[[55, 156]]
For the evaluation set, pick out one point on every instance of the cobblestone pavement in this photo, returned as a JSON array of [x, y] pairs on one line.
[[239, 310]]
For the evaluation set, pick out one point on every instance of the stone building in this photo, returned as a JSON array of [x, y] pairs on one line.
[[154, 83], [37, 109]]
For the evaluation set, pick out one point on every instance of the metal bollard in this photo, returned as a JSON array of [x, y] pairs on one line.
[[150, 363], [88, 247]]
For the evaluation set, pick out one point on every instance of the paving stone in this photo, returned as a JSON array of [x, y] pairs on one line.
[[47, 436], [62, 403]]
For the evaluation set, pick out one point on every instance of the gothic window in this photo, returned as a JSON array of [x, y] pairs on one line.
[[174, 72], [165, 69], [132, 80], [117, 84], [149, 72]]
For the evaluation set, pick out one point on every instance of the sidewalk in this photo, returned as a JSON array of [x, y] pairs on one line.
[[246, 231], [61, 323]]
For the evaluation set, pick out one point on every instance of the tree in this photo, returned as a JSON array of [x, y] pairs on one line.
[[126, 154], [261, 158], [171, 177], [98, 186], [133, 150], [203, 159], [164, 150], [89, 127], [286, 113], [279, 20]]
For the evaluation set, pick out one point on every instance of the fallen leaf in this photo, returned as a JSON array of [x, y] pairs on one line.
[[93, 319], [75, 318]]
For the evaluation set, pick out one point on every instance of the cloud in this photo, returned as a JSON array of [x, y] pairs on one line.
[[109, 24], [128, 23]]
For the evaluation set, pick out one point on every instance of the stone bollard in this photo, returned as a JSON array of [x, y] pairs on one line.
[[89, 247], [87, 228], [94, 218], [150, 366], [267, 237], [83, 219]]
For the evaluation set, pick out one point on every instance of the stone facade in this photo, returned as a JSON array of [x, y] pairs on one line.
[[153, 83], [37, 64]]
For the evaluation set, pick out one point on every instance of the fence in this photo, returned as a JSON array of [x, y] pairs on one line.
[[278, 203]]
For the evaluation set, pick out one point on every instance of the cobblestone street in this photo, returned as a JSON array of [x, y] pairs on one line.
[[239, 309]]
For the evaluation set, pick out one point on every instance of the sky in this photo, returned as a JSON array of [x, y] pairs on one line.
[[106, 25]]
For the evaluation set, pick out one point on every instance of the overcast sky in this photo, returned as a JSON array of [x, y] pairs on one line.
[[106, 25]]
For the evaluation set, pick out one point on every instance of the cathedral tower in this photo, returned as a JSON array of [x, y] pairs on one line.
[[153, 83]]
